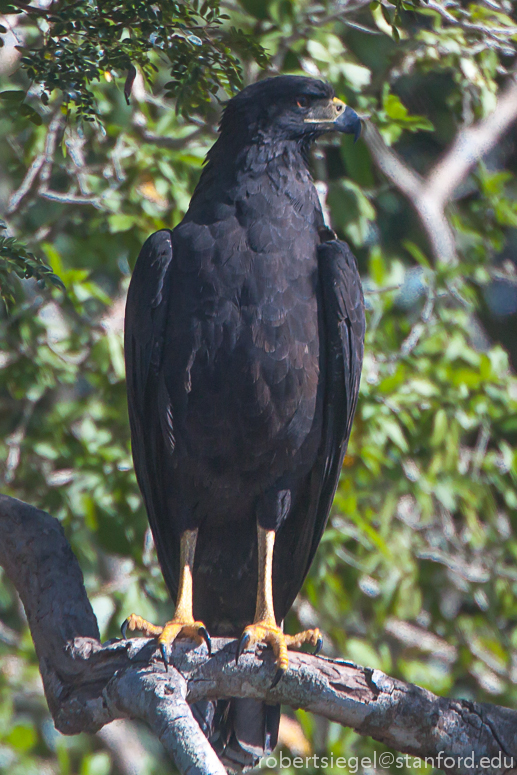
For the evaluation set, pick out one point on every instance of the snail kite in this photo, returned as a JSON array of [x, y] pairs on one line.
[[243, 343]]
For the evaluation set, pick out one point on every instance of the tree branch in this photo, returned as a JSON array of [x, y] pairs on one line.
[[470, 145], [30, 9], [87, 684], [41, 166], [430, 195], [121, 739], [340, 12], [164, 141]]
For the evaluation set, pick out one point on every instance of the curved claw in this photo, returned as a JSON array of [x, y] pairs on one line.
[[278, 675], [206, 637], [123, 628], [165, 656], [319, 646], [242, 644]]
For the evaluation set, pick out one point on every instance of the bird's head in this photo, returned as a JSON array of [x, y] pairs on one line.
[[289, 107]]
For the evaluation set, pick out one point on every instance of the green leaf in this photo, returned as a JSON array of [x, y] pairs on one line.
[[27, 112], [119, 222], [12, 95], [394, 108], [440, 427], [417, 254], [22, 737]]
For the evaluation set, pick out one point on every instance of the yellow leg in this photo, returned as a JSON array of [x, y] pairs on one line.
[[183, 624], [264, 628]]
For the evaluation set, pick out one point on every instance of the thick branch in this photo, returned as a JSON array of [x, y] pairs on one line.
[[430, 195], [470, 145], [88, 685], [129, 753]]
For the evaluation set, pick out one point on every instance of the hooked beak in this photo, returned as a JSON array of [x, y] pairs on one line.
[[349, 122], [336, 116]]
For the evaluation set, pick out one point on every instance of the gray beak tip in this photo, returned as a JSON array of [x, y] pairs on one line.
[[350, 123]]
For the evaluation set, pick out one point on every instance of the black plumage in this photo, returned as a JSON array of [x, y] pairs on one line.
[[244, 341]]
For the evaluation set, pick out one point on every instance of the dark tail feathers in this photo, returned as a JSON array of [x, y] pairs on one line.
[[241, 730]]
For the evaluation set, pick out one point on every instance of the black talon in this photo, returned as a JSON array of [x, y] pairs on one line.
[[123, 628], [319, 646], [243, 642], [278, 675], [206, 637], [165, 656]]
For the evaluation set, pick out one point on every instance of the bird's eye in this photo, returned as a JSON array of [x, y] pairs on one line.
[[303, 102]]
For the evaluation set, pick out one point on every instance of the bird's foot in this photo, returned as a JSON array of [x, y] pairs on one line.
[[176, 628], [271, 635], [313, 638], [137, 623]]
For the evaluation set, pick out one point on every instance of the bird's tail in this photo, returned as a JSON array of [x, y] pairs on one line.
[[240, 730]]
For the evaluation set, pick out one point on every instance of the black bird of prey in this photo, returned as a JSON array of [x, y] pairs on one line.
[[244, 343]]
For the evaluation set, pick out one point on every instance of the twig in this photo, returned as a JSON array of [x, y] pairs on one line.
[[170, 142], [30, 177], [361, 27], [480, 449], [8, 635], [385, 289], [486, 29], [41, 166], [70, 198], [27, 8], [15, 440], [50, 149], [88, 685], [417, 329], [75, 145], [341, 10]]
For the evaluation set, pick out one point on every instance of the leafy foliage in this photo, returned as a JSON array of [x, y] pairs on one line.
[[87, 40], [416, 572], [16, 259]]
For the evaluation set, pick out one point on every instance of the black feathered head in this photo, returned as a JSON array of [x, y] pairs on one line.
[[289, 107]]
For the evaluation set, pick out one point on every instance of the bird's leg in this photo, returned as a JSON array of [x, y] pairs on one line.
[[183, 624], [264, 628]]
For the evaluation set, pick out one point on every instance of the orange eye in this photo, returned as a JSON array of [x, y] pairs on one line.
[[303, 102]]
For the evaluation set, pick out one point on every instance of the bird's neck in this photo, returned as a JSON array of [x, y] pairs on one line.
[[274, 161], [266, 152]]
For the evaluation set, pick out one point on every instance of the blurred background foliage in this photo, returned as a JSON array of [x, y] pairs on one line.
[[417, 572]]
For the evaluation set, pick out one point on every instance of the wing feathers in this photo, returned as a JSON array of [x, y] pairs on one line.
[[150, 407], [344, 316]]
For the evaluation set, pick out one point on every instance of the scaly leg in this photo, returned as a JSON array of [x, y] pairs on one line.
[[264, 628], [183, 625]]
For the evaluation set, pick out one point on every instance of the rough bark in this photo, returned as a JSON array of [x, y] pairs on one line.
[[88, 684]]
